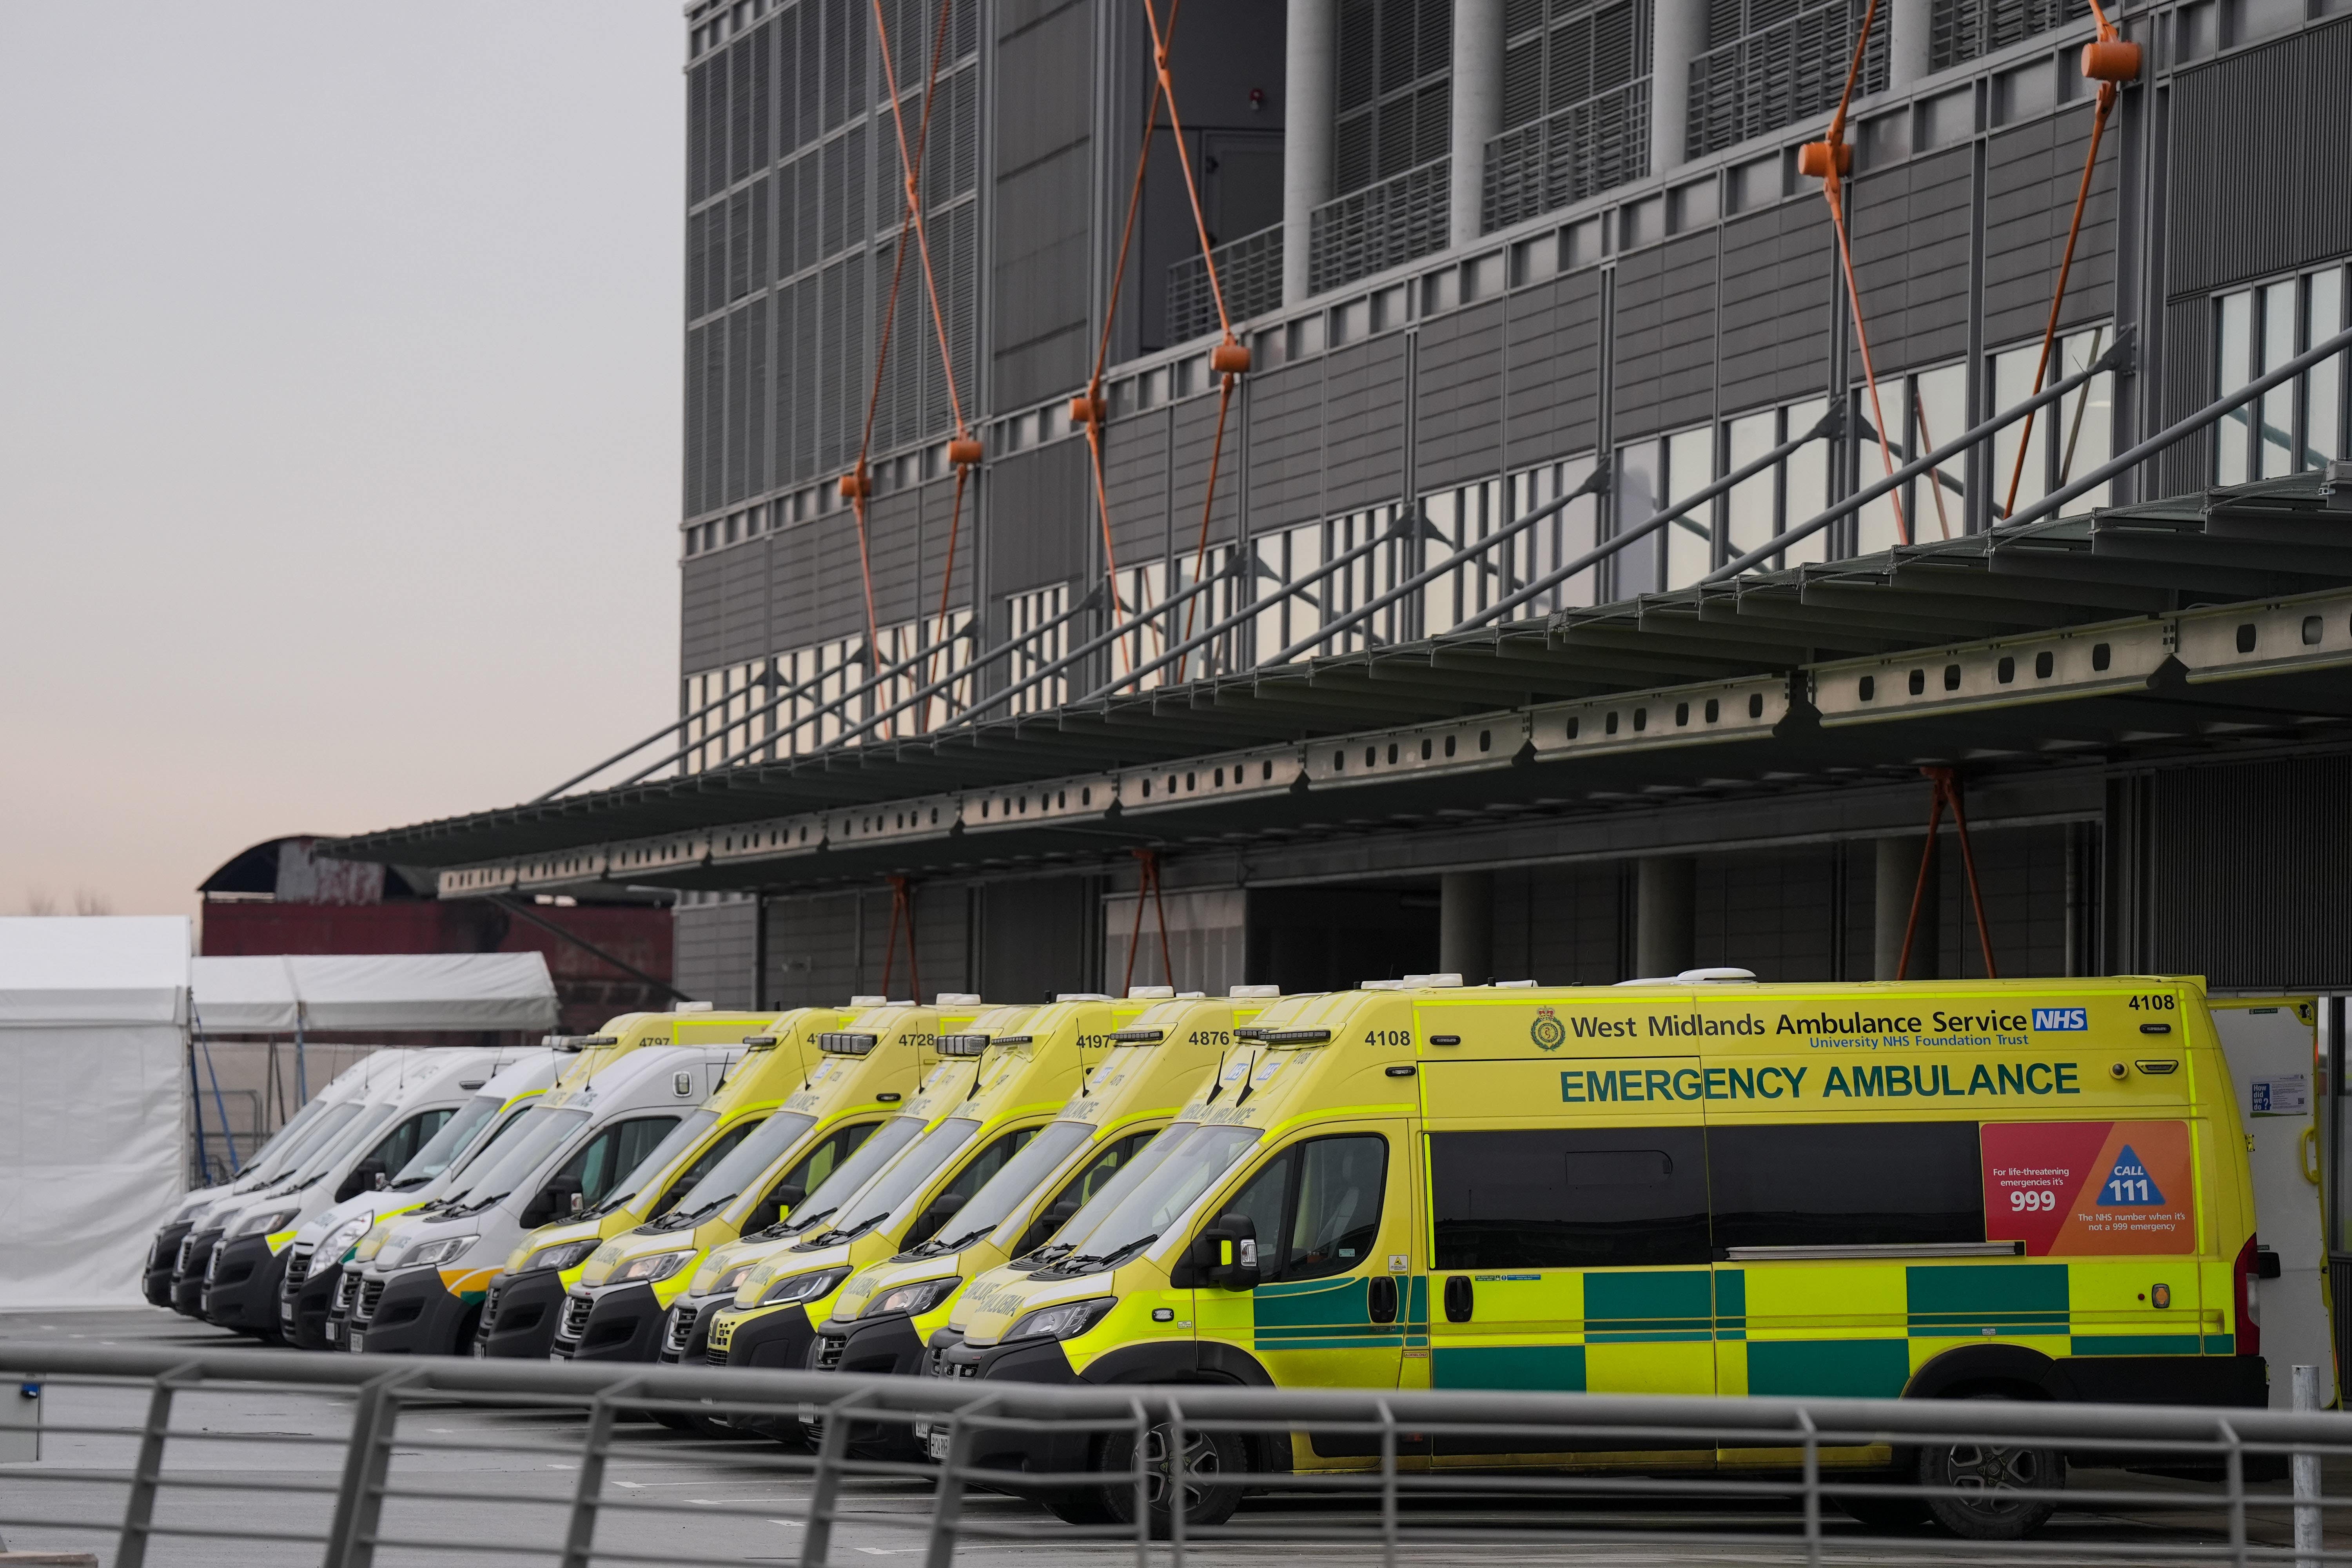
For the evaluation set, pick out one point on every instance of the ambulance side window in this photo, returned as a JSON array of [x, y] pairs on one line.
[[806, 1173], [1884, 1184], [968, 1181], [1338, 1216], [1569, 1198], [608, 1156], [720, 1147]]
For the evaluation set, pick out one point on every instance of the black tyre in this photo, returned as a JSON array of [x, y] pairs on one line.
[[1207, 1458], [1980, 1483], [1078, 1505]]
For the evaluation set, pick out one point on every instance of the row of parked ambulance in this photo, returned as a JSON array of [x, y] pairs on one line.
[[1697, 1185]]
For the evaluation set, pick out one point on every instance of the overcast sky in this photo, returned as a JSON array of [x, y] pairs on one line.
[[339, 419]]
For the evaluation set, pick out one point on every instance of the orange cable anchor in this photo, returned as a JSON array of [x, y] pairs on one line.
[[1946, 785], [2110, 61], [1830, 160], [1149, 861]]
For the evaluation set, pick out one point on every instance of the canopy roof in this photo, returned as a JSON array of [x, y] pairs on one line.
[[472, 990], [93, 969]]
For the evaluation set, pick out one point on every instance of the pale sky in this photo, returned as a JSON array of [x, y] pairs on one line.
[[339, 419]]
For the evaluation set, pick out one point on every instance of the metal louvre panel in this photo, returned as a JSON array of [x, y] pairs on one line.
[[575, 1323], [752, 426], [1568, 155], [1784, 69], [2246, 867], [698, 349], [1961, 30], [738, 362], [297, 1268], [371, 1294], [760, 230], [698, 130], [715, 1355], [828, 1351], [679, 1329]]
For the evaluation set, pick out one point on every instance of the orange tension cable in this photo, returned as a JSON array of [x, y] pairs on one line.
[[2110, 61], [1148, 862], [1830, 159]]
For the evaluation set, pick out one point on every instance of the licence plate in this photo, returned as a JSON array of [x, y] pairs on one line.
[[481, 1351], [939, 1444], [286, 1314], [359, 1341], [334, 1331]]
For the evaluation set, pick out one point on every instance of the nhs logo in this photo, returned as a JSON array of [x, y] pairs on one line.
[[2062, 1018]]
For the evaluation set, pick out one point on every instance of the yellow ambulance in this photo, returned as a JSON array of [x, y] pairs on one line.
[[2024, 1189], [887, 1312], [957, 1134], [826, 1104], [522, 1306], [884, 1078]]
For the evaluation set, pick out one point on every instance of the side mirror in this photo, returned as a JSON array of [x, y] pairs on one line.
[[579, 1201], [381, 1181], [1226, 1252], [367, 1175]]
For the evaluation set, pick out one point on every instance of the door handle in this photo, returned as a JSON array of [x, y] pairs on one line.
[[1459, 1299], [1380, 1299]]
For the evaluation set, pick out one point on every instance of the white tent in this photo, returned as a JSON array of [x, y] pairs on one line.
[[393, 991], [93, 1102]]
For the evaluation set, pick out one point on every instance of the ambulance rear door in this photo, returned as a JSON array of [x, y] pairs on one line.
[[2270, 1043]]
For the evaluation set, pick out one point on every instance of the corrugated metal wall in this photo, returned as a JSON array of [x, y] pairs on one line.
[[2245, 868]]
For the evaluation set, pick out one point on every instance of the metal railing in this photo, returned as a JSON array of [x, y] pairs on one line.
[[430, 1459], [1590, 146], [1383, 225], [1249, 267]]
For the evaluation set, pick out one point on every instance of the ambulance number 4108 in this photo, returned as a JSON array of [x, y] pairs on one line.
[[1388, 1037], [2163, 1003]]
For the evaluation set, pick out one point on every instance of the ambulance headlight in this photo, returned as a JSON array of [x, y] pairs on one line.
[[923, 1296], [1067, 1321], [717, 1275], [261, 1222], [653, 1266], [563, 1254], [371, 1242], [444, 1249], [804, 1286], [332, 1246]]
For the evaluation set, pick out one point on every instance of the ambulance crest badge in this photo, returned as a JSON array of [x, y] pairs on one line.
[[1548, 1032]]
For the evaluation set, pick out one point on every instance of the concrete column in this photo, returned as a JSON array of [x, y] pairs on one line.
[[1309, 38], [1477, 107], [1665, 916], [1465, 925], [1677, 37], [1897, 876], [1908, 22]]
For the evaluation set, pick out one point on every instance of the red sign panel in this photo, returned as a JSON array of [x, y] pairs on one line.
[[2084, 1188]]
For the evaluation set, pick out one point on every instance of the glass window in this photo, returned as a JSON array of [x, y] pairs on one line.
[[2017, 485], [1806, 476], [1570, 1197], [2082, 425], [726, 1169], [454, 1134], [689, 1180], [857, 1171], [1641, 491], [807, 1173], [545, 1131], [1886, 1183], [1689, 538], [1337, 1219], [1877, 526], [681, 1138], [1165, 1185], [1080, 1190], [2276, 445], [1753, 506], [977, 1171], [597, 1166], [2324, 403], [1014, 1182], [475, 1160], [399, 1146], [2233, 448], [1939, 406], [879, 1199]]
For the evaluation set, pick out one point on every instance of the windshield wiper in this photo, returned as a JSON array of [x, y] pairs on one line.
[[1108, 1259]]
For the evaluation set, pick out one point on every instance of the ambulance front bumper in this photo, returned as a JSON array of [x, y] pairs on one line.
[[612, 1322], [686, 1331], [161, 1255], [1018, 1361], [519, 1315], [306, 1296], [241, 1285], [868, 1344], [771, 1336], [188, 1272], [410, 1313]]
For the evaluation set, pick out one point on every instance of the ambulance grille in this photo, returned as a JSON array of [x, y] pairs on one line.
[[828, 1351], [680, 1332], [575, 1318], [187, 1254], [347, 1294], [716, 1355], [370, 1293], [297, 1268]]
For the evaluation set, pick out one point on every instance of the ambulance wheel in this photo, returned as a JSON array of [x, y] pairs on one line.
[[1208, 1457], [1979, 1483]]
